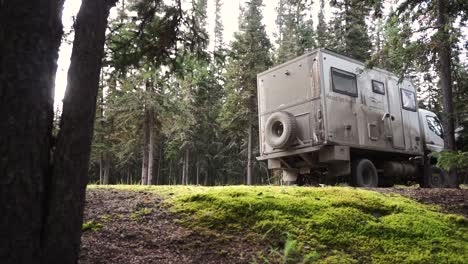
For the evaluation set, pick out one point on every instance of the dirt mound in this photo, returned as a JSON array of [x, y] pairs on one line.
[[133, 227], [450, 200]]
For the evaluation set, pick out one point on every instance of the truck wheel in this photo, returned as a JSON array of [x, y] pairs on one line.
[[435, 178], [364, 173], [280, 130]]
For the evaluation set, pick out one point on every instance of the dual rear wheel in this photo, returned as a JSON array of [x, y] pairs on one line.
[[364, 174]]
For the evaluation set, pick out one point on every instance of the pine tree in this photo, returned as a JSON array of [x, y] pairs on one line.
[[322, 28], [350, 34], [429, 47], [249, 56], [295, 32], [218, 30]]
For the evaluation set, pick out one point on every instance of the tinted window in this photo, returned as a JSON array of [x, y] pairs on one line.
[[434, 125], [378, 87], [344, 82], [408, 99]]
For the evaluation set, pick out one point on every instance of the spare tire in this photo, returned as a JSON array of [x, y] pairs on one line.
[[280, 130]]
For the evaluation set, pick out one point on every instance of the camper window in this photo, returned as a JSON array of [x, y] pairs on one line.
[[408, 100], [378, 87], [344, 82]]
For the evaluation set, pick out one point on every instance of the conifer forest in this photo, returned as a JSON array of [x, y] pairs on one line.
[[178, 105], [156, 152]]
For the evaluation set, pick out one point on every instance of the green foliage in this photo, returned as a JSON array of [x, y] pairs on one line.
[[325, 225], [349, 32], [91, 225], [249, 55], [295, 32], [448, 160], [140, 214], [323, 37]]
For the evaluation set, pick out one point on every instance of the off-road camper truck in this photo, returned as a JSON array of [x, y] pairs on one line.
[[324, 112]]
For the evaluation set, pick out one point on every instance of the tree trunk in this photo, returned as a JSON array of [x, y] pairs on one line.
[[249, 154], [186, 167], [101, 169], [170, 174], [145, 157], [445, 75], [66, 192], [30, 35], [182, 180], [150, 148], [198, 172], [160, 157], [105, 178]]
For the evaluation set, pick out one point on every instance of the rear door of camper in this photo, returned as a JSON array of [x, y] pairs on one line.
[[292, 87]]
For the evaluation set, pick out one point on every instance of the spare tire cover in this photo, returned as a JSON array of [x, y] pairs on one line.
[[280, 130]]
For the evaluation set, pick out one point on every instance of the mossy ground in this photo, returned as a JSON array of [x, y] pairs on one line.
[[323, 225]]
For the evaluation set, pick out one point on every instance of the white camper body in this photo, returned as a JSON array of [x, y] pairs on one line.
[[326, 112]]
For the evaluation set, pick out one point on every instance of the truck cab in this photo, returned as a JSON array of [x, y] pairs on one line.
[[432, 131]]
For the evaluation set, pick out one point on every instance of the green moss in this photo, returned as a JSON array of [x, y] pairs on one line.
[[91, 225], [324, 225], [138, 215]]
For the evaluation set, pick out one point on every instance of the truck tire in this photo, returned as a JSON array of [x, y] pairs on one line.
[[435, 178], [364, 174], [280, 130]]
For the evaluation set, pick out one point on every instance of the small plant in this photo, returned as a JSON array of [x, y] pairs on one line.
[[448, 160], [292, 253], [91, 225], [138, 215], [105, 217]]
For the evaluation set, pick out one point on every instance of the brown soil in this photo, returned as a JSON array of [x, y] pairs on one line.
[[132, 234], [449, 200]]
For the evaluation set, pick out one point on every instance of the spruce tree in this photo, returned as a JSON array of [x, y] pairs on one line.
[[249, 56], [322, 28], [295, 31], [431, 50], [350, 33]]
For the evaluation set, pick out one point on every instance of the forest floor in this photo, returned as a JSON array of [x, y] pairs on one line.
[[135, 227], [137, 224]]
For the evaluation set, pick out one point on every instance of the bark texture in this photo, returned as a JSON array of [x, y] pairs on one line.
[[145, 158], [151, 148], [66, 191], [249, 154], [444, 53], [30, 35]]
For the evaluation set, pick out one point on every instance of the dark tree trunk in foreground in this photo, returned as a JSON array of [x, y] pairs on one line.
[[67, 186], [30, 34], [42, 197], [444, 51]]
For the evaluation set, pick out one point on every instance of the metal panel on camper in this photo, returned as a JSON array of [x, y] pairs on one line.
[[368, 108], [292, 87]]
